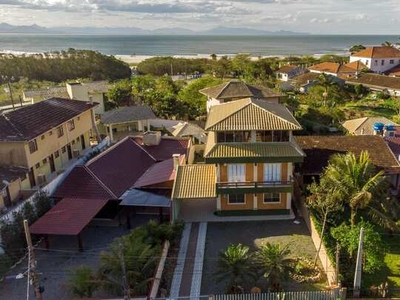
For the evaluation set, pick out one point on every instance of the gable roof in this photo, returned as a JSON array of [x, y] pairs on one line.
[[167, 147], [82, 183], [378, 52], [329, 67], [31, 121], [395, 71], [376, 81], [239, 89], [127, 114], [357, 66], [187, 129], [250, 114], [318, 150], [286, 69], [195, 181], [364, 126], [121, 165]]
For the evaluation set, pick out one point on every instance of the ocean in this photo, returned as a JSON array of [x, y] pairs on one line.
[[191, 45]]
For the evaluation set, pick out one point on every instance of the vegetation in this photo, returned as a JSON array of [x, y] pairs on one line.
[[82, 281]]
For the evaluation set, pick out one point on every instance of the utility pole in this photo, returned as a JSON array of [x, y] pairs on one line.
[[124, 281], [357, 274], [337, 263], [172, 70], [32, 267], [11, 95]]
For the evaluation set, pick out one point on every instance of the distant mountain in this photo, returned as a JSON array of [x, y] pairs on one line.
[[221, 30]]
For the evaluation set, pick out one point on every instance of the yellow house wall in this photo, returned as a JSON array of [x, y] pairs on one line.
[[246, 206], [13, 154], [280, 205]]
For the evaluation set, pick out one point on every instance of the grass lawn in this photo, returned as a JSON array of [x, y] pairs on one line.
[[254, 234], [353, 111]]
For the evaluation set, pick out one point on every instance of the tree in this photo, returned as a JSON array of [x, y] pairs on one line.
[[275, 262], [358, 182], [193, 100], [120, 94], [82, 281], [356, 48], [235, 265], [373, 248], [142, 86], [240, 64], [222, 67]]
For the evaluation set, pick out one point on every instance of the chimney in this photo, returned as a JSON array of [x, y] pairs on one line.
[[176, 160]]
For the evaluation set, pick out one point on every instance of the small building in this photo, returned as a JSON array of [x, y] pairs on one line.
[[10, 184], [339, 70], [34, 96], [44, 137], [186, 129], [378, 83], [235, 90], [378, 59], [289, 72], [124, 121], [303, 82], [365, 126]]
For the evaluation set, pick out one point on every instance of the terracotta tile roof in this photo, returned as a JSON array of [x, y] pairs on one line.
[[286, 69], [356, 66], [394, 142], [394, 71], [261, 150], [364, 126], [121, 165], [376, 81], [328, 67], [9, 174], [158, 173], [127, 114], [378, 52], [195, 181], [167, 147], [250, 114], [239, 89], [58, 92], [68, 217], [318, 150], [31, 121], [82, 183]]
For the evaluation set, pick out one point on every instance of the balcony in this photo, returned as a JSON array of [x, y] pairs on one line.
[[254, 186]]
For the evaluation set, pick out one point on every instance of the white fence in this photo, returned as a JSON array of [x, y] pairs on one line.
[[52, 186]]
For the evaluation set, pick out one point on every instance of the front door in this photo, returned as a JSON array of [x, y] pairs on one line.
[[69, 150], [32, 181], [52, 166], [83, 142]]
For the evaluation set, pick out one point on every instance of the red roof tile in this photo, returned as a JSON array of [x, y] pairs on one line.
[[82, 183], [69, 217], [121, 165], [378, 52], [167, 147]]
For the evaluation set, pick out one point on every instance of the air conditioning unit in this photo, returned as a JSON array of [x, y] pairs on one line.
[[41, 179], [75, 153]]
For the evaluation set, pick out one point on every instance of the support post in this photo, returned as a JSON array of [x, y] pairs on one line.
[[160, 214], [47, 241], [32, 262], [357, 274], [80, 244], [111, 133], [128, 218]]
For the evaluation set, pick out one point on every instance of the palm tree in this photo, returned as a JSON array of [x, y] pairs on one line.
[[357, 180], [275, 262], [329, 86], [235, 265]]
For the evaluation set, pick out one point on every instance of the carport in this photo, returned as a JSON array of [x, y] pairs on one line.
[[68, 217], [134, 198]]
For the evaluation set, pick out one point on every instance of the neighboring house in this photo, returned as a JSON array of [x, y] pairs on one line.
[[376, 82], [340, 70], [378, 59], [319, 149], [289, 72], [88, 91], [394, 72], [121, 122], [303, 82], [235, 90], [249, 159], [10, 184], [186, 129], [44, 137]]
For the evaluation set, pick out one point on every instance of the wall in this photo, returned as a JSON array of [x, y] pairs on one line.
[[248, 205], [13, 154], [377, 67], [280, 205]]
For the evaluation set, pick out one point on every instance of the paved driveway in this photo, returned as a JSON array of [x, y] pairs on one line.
[[252, 234]]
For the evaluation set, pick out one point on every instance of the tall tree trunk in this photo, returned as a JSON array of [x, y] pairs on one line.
[[353, 217], [322, 236]]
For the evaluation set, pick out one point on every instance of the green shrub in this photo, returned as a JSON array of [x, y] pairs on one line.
[[5, 264]]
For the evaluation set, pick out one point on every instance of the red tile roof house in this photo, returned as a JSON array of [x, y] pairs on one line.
[[97, 188]]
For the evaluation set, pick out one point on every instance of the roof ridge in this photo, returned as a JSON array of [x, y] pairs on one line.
[[227, 103], [100, 182], [140, 146], [223, 89]]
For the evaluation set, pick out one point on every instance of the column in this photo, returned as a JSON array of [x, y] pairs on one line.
[[219, 202], [148, 125], [255, 204], [111, 133]]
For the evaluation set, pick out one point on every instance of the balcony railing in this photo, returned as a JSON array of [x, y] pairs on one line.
[[253, 184]]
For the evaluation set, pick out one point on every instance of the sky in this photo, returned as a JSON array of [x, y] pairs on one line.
[[312, 16]]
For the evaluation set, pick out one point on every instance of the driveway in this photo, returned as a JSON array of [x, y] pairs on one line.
[[253, 234]]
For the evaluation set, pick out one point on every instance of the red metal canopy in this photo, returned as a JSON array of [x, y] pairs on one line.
[[68, 217]]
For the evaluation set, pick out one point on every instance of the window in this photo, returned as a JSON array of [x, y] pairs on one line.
[[71, 125], [273, 172], [33, 146], [42, 137], [367, 62], [376, 62], [233, 136], [236, 199], [37, 166], [63, 149], [281, 136], [60, 131], [44, 161], [78, 139], [391, 61], [236, 173], [264, 136], [272, 198], [382, 62], [78, 118], [57, 154]]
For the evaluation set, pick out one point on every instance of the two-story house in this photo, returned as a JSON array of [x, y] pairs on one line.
[[44, 137], [249, 159], [378, 59], [235, 90]]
